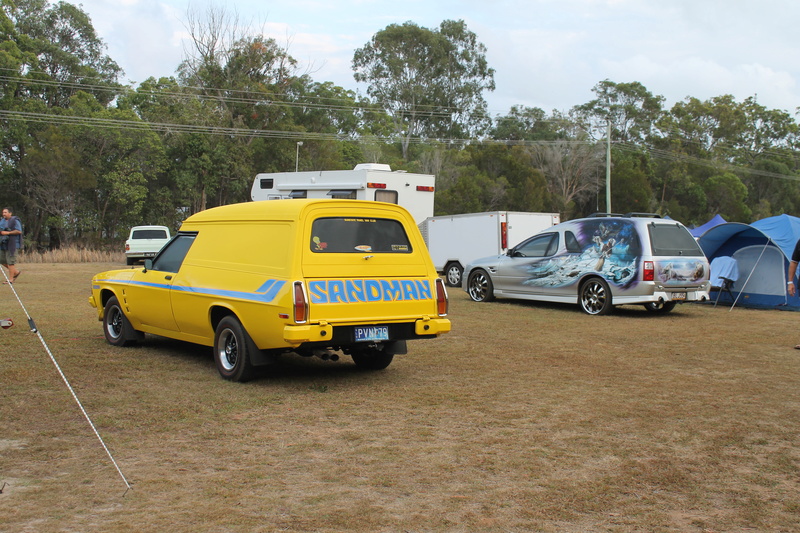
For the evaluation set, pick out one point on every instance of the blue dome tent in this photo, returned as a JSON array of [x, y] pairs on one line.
[[762, 251], [699, 230]]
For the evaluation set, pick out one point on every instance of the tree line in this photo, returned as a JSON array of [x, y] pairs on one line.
[[84, 157]]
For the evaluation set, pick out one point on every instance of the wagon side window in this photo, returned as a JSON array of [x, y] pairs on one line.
[[573, 246]]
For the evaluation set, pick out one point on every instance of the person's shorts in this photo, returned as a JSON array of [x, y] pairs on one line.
[[7, 258]]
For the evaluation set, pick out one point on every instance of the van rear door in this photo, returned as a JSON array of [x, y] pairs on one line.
[[367, 266]]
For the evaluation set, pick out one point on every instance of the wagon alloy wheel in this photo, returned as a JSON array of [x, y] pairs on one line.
[[116, 327], [595, 297], [232, 350], [480, 286]]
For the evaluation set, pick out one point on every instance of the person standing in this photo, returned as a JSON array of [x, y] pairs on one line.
[[10, 242]]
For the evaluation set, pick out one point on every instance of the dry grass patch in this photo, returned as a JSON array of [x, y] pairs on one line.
[[525, 417]]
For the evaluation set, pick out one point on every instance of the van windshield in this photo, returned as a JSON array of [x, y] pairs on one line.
[[359, 235], [673, 239]]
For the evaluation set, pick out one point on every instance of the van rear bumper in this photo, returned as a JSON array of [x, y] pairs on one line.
[[343, 335]]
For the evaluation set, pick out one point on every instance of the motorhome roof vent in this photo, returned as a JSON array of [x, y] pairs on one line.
[[373, 166]]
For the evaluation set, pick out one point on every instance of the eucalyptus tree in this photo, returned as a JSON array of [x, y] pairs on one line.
[[431, 82], [50, 55]]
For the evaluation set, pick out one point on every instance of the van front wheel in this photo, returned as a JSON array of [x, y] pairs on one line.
[[232, 350]]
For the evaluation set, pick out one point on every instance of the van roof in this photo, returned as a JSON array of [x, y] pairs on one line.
[[287, 209]]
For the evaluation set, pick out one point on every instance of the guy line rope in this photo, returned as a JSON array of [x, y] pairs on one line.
[[34, 329]]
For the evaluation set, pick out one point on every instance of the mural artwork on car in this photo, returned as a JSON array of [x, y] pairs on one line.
[[613, 249]]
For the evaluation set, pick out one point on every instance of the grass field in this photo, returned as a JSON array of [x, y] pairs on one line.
[[526, 417]]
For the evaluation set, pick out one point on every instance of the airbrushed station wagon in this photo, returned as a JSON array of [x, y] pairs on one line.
[[258, 279], [598, 262]]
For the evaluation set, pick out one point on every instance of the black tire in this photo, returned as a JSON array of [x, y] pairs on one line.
[[232, 350], [116, 326], [480, 286], [372, 358], [660, 308], [453, 274], [595, 297], [130, 261]]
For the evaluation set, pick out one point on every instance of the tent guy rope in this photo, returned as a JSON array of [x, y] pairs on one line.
[[34, 329]]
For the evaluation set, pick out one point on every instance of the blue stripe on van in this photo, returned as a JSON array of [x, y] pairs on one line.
[[267, 292]]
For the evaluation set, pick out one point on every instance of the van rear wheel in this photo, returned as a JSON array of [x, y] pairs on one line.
[[232, 350], [372, 358]]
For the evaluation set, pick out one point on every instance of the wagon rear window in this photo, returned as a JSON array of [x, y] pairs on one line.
[[359, 235], [673, 239]]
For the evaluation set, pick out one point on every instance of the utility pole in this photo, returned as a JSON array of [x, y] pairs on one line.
[[608, 167]]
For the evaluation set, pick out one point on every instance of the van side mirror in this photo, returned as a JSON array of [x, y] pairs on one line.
[[148, 265]]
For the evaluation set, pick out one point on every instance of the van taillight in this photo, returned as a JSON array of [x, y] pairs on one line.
[[649, 271], [300, 303], [441, 298], [504, 235]]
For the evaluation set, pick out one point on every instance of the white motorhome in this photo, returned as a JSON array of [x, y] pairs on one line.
[[454, 241], [368, 181]]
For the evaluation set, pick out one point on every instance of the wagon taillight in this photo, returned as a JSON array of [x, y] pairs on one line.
[[648, 272]]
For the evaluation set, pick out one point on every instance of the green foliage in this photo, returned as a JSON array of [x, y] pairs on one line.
[[84, 158]]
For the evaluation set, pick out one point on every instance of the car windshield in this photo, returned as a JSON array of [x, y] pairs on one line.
[[359, 235], [673, 239]]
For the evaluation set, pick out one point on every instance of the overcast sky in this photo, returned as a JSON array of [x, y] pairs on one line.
[[546, 53]]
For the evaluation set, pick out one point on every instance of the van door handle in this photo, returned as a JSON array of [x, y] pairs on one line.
[[168, 277]]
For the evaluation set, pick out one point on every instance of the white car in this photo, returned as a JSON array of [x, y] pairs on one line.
[[145, 242]]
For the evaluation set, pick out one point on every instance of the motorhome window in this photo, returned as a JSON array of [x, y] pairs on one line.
[[382, 195], [673, 239], [359, 235], [171, 257], [343, 194], [267, 183], [298, 194], [149, 234]]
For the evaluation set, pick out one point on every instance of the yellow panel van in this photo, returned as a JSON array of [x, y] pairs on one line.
[[258, 279]]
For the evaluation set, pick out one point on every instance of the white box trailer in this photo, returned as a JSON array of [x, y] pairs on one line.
[[456, 240], [365, 182]]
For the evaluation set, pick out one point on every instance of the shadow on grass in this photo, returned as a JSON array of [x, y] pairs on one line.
[[628, 311], [288, 368]]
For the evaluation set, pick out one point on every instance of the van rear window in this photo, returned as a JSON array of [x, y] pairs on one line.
[[355, 235], [673, 239]]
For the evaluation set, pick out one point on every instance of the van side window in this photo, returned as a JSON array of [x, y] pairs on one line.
[[359, 235], [344, 194], [382, 195], [571, 241], [541, 246], [171, 257]]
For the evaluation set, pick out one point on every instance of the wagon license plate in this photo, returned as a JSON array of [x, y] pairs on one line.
[[678, 296], [371, 333]]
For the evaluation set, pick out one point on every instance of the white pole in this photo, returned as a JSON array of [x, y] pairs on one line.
[[608, 168], [297, 156]]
